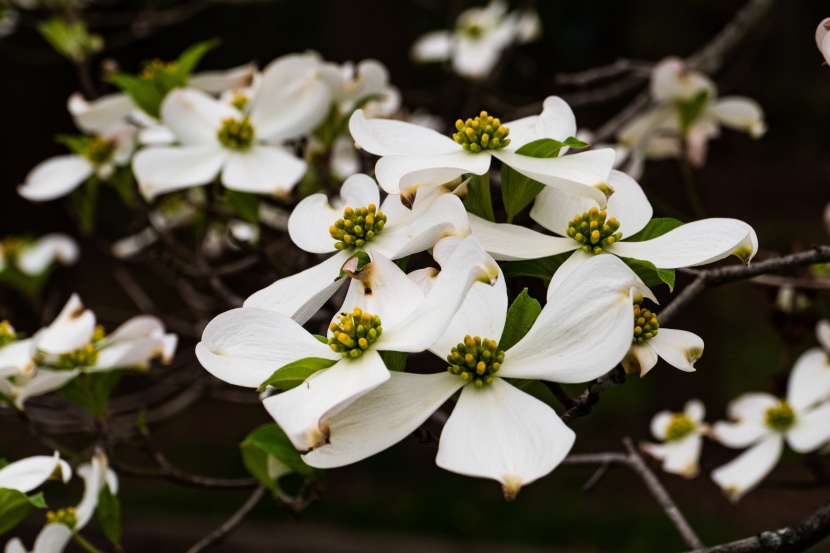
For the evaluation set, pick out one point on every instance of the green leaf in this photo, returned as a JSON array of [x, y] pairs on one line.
[[109, 515], [362, 259], [654, 228], [394, 360], [85, 200], [37, 500], [321, 338], [143, 92], [70, 39], [3, 463], [542, 148], [190, 58], [536, 389], [270, 441], [478, 201], [649, 274], [245, 204], [520, 317], [92, 391], [402, 263], [517, 191], [543, 268], [76, 143], [574, 142], [293, 374], [14, 507], [690, 110]]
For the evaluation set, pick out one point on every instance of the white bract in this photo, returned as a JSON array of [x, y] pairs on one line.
[[628, 212], [496, 430], [367, 82], [27, 474], [823, 43], [764, 422], [384, 310], [244, 145], [319, 225], [34, 257], [682, 437], [679, 348], [480, 37], [414, 156], [811, 372]]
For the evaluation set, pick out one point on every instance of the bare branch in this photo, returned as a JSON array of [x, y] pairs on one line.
[[218, 535]]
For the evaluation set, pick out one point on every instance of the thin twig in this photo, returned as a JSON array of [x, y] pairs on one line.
[[218, 535]]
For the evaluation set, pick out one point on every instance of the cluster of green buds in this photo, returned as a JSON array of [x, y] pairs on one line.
[[476, 360], [357, 227], [236, 134], [67, 517], [482, 133], [354, 334], [780, 417], [156, 67], [84, 356], [7, 333], [593, 231], [99, 150], [645, 324], [239, 101], [679, 427]]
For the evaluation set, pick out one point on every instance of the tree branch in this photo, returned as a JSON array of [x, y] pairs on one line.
[[231, 524]]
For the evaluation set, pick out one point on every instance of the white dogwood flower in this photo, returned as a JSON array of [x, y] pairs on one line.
[[414, 156], [35, 257], [811, 372], [496, 430], [682, 437], [480, 37], [27, 474], [383, 311], [823, 43], [353, 223], [368, 80]]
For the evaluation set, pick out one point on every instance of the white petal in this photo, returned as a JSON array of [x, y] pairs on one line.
[[16, 358], [71, 329], [359, 191], [628, 204], [15, 546], [40, 255], [43, 382], [660, 424], [748, 469], [476, 57], [52, 539], [811, 431], [94, 475], [161, 169], [595, 300], [640, 359], [696, 243], [683, 456], [695, 410], [507, 242], [303, 412], [300, 296], [421, 328], [678, 348], [344, 160], [195, 117], [245, 346], [96, 116], [821, 34], [739, 113], [27, 474], [556, 121], [584, 173], [129, 354], [217, 82], [739, 434], [823, 334], [809, 380], [434, 46], [384, 137], [576, 260], [825, 47], [141, 326], [671, 80], [502, 433], [155, 135], [263, 170], [383, 417], [55, 177]]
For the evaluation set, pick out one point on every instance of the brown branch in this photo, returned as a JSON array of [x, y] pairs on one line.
[[219, 535], [583, 404], [619, 67]]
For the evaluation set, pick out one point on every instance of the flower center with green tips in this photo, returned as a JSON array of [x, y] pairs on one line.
[[236, 134], [472, 31], [354, 333], [7, 334], [156, 67], [84, 356], [594, 231], [485, 132], [99, 150], [645, 324], [476, 360], [357, 227], [679, 427], [67, 517], [780, 417]]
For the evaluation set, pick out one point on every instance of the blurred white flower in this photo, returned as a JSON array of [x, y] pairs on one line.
[[823, 43], [34, 257], [480, 37], [366, 84], [27, 474], [682, 437]]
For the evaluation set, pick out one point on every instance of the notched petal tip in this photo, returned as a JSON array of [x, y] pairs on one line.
[[511, 487], [318, 437]]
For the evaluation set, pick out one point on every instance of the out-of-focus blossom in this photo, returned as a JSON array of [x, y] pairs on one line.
[[366, 84], [480, 37], [823, 43], [27, 474], [34, 257], [811, 372], [682, 437]]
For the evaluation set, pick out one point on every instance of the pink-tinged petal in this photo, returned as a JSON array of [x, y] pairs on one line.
[[696, 243], [506, 242], [245, 346], [434, 46], [502, 433], [556, 121], [671, 80], [161, 169], [678, 348], [811, 430], [216, 82], [98, 115], [809, 380], [268, 170], [384, 137], [750, 467], [27, 474], [55, 177], [70, 330], [640, 359], [739, 113], [40, 255], [383, 417], [194, 116], [300, 296], [304, 412]]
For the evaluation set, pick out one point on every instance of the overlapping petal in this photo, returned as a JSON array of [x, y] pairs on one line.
[[678, 348], [162, 169], [809, 380], [811, 430], [39, 256], [385, 137], [750, 467], [27, 474], [55, 177], [404, 174], [71, 329], [557, 121], [263, 169], [194, 116], [506, 242]]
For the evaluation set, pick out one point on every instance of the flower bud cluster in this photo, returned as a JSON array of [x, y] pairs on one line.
[[236, 134], [357, 227], [645, 324], [355, 332], [476, 360], [485, 132], [593, 231]]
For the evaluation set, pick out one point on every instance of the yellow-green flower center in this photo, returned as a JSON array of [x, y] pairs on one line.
[[156, 67], [84, 356], [239, 101], [593, 231], [679, 427], [99, 150], [98, 334], [67, 517], [354, 333], [7, 334], [485, 132], [357, 227], [476, 360], [645, 324], [472, 31], [236, 134], [780, 417]]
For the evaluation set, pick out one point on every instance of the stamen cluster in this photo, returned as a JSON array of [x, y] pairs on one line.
[[99, 150], [355, 333], [155, 67], [476, 360], [236, 134], [84, 356], [780, 417], [7, 333], [679, 427], [67, 517], [485, 132], [645, 324], [357, 227], [593, 231]]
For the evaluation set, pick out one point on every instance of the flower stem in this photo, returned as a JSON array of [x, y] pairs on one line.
[[692, 193], [80, 540]]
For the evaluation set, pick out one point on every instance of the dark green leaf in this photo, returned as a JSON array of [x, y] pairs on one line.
[[144, 92], [542, 148], [37, 500], [92, 391], [109, 515], [245, 204], [574, 142], [478, 201], [3, 463], [293, 374], [520, 317], [690, 110], [394, 360], [543, 268], [76, 143], [85, 200], [14, 507], [517, 191], [321, 338], [654, 228], [271, 440], [649, 274], [190, 58], [402, 263]]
